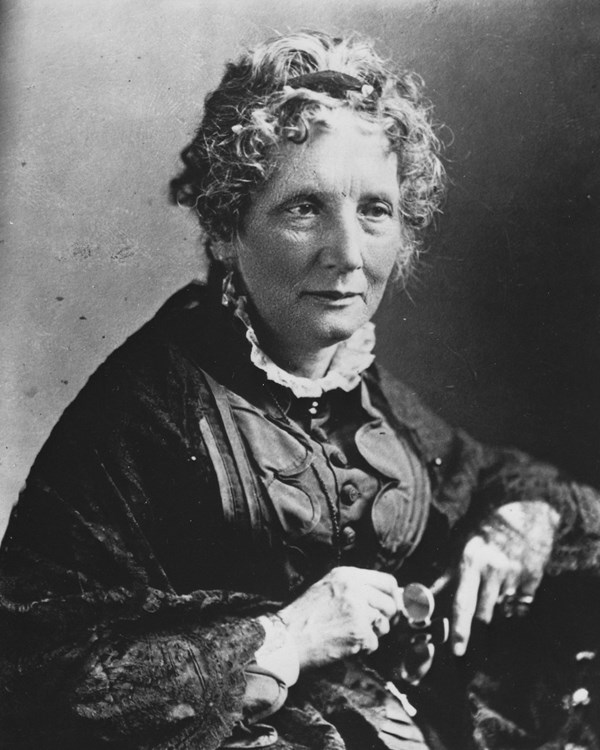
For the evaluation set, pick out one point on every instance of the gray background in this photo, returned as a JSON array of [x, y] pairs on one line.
[[501, 329]]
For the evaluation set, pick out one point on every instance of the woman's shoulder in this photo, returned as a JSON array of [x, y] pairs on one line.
[[184, 317], [407, 407], [150, 355], [149, 376]]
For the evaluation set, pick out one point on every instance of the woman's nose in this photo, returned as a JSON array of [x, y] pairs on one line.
[[344, 243]]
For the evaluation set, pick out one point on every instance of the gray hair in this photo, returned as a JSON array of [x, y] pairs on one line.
[[254, 109]]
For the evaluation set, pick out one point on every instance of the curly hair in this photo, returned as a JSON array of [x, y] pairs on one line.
[[254, 109]]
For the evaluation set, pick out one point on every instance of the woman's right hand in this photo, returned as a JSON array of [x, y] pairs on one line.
[[343, 613]]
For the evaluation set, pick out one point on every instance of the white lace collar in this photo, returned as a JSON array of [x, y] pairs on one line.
[[351, 358]]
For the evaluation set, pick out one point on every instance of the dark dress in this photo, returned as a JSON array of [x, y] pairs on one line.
[[182, 494]]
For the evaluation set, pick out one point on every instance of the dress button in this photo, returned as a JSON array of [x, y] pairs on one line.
[[349, 494], [348, 537]]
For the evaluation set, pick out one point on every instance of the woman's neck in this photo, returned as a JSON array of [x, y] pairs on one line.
[[302, 361], [291, 353], [310, 365]]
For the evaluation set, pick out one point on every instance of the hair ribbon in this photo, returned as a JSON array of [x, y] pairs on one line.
[[331, 82]]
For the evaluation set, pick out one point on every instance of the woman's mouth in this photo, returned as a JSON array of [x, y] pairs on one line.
[[334, 296]]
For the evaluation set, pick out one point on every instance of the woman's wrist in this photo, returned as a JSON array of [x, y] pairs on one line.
[[279, 652]]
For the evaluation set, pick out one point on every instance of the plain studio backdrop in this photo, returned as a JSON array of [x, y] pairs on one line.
[[501, 331]]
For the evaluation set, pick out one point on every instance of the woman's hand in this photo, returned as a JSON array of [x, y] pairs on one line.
[[504, 560], [343, 613]]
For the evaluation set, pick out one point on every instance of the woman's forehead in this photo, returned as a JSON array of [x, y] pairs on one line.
[[345, 122], [343, 151]]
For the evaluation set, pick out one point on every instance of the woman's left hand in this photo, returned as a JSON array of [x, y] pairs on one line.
[[503, 563]]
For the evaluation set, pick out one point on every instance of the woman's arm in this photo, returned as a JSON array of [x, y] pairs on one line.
[[514, 518], [113, 623], [109, 657]]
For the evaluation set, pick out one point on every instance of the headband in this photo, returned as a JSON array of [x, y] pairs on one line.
[[330, 82]]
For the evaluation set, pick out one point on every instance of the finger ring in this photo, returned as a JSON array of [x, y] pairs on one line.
[[523, 604], [512, 605], [507, 602]]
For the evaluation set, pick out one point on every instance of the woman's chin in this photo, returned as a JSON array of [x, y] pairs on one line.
[[332, 332], [310, 333]]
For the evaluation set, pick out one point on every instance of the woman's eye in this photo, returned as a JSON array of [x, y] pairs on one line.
[[302, 209], [377, 210]]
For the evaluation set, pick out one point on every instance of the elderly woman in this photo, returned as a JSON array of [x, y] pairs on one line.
[[218, 539]]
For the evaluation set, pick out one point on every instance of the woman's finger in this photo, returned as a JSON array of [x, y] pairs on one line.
[[383, 603], [382, 581], [510, 584], [465, 600], [519, 594], [530, 581], [380, 623], [370, 642], [365, 637], [489, 594], [499, 577]]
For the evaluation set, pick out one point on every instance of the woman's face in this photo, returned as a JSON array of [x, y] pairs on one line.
[[319, 240]]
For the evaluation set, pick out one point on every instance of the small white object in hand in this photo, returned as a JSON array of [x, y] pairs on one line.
[[406, 704]]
